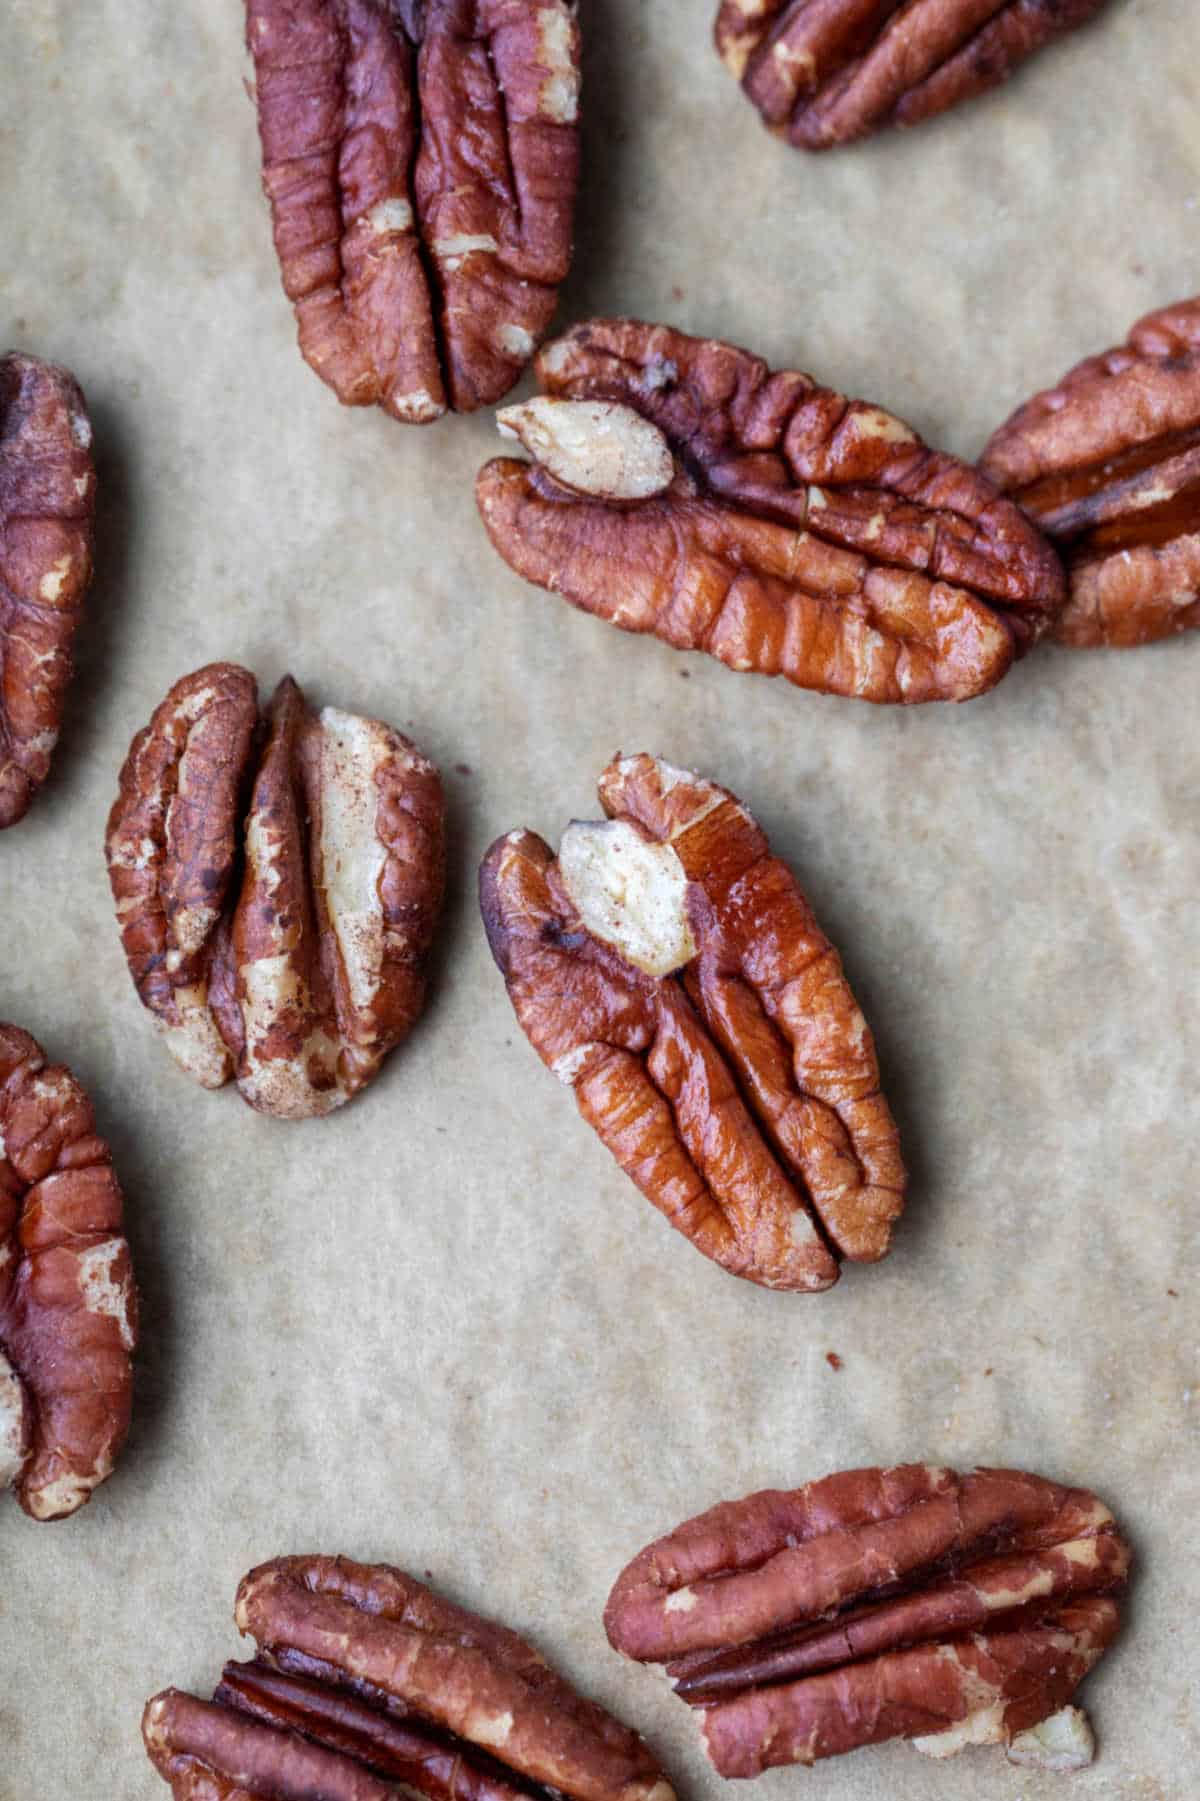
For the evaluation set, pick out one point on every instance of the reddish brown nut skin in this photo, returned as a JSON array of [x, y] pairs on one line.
[[47, 506], [804, 535], [825, 72], [377, 1669], [1108, 465], [436, 1763], [741, 1094], [421, 162], [68, 1306], [278, 885], [875, 1604]]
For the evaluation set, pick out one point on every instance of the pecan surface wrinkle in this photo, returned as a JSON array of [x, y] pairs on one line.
[[1108, 465], [802, 534], [825, 72], [68, 1306], [668, 968], [880, 1603], [421, 163], [47, 504], [277, 886], [367, 1684]]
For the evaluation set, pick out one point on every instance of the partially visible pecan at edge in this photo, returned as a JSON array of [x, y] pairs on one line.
[[47, 503], [68, 1307], [277, 888], [1108, 465], [680, 487], [367, 1685], [882, 1603], [669, 970], [421, 159], [823, 72]]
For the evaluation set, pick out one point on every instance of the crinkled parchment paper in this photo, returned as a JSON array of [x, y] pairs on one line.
[[441, 1328]]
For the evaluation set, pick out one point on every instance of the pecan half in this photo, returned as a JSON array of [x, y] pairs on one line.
[[421, 159], [1108, 465], [47, 502], [668, 968], [764, 519], [368, 1685], [287, 951], [824, 72], [880, 1603], [68, 1307]]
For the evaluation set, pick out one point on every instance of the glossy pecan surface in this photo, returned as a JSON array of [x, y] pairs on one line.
[[68, 1307], [823, 72], [47, 503], [368, 1685], [668, 969], [691, 492], [1108, 465], [277, 888], [421, 159], [880, 1603]]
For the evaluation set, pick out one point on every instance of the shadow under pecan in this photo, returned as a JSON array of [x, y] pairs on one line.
[[1107, 464], [68, 1306], [421, 159], [824, 72], [368, 1685], [669, 970], [881, 1603], [47, 504], [277, 888], [780, 527]]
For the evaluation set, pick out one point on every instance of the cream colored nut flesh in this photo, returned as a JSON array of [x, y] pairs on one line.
[[593, 446], [12, 1424], [1062, 1743], [629, 891]]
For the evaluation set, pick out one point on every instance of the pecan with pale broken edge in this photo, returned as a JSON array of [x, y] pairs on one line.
[[824, 72], [880, 1603], [682, 488], [1107, 464], [47, 504], [668, 969], [286, 949], [68, 1306], [421, 162], [368, 1685]]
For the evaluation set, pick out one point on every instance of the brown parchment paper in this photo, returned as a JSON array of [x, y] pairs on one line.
[[440, 1328]]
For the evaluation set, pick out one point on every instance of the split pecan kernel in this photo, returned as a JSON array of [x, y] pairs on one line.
[[286, 949], [421, 159], [881, 1603], [682, 488], [68, 1307], [1108, 465], [47, 504], [824, 72], [398, 1691], [669, 970]]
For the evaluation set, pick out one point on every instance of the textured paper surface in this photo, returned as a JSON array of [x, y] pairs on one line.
[[441, 1328]]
